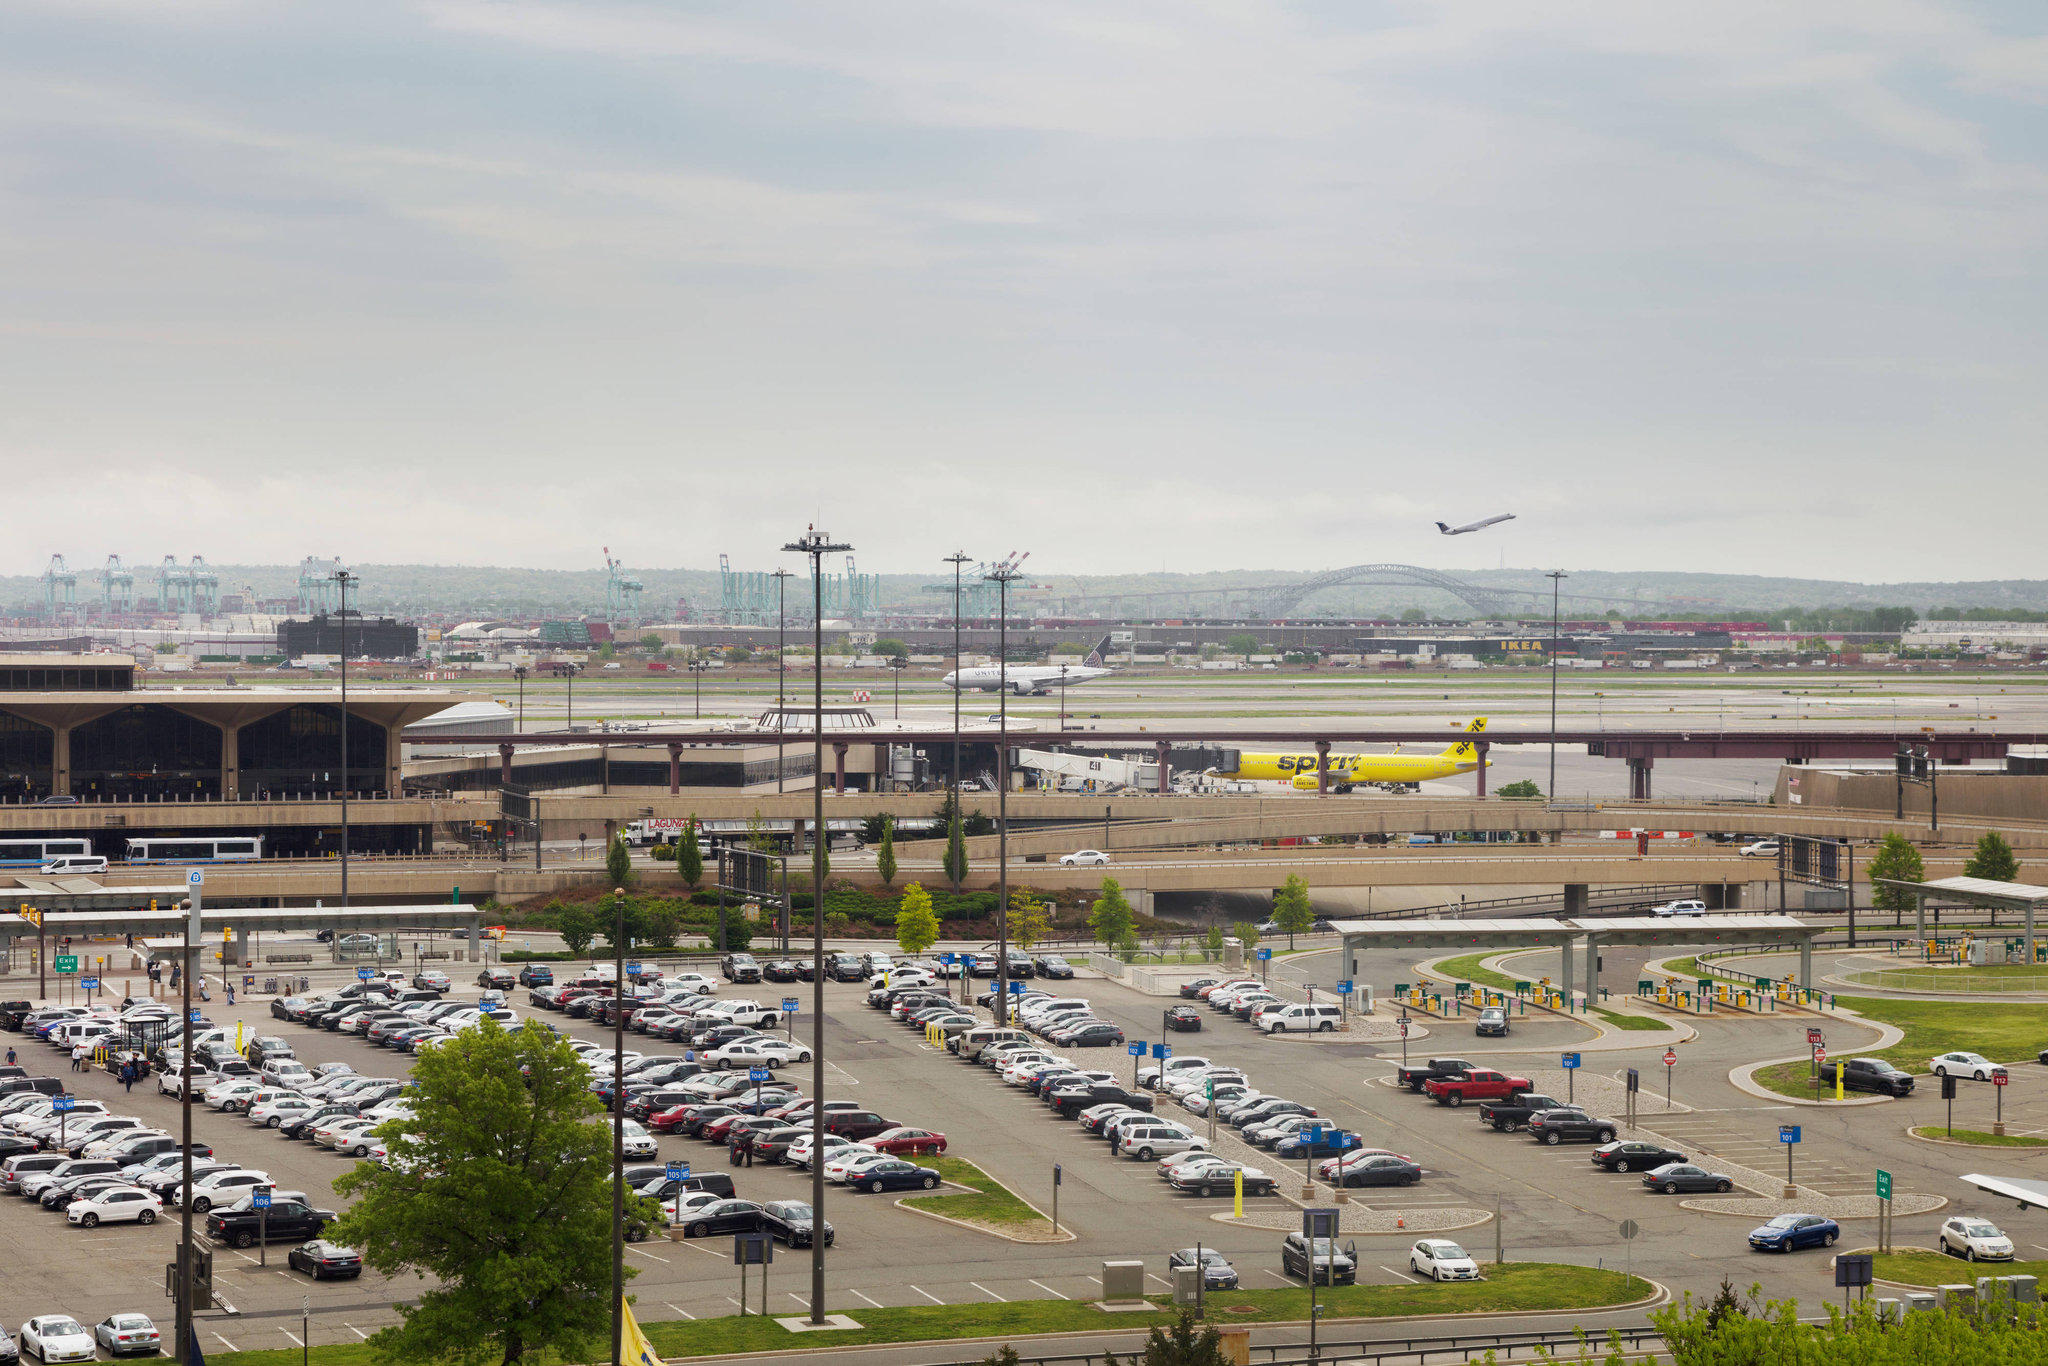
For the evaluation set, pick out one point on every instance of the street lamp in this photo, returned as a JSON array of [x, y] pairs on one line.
[[956, 559], [618, 1126], [697, 668], [572, 670], [1554, 576], [781, 577], [1063, 696], [186, 1250], [897, 664], [1002, 576], [342, 580], [817, 545], [519, 672]]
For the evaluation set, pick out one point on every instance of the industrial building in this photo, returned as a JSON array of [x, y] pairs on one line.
[[352, 634]]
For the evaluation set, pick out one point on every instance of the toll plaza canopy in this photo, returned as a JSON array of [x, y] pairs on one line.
[[83, 893], [1973, 891], [167, 925], [1363, 935]]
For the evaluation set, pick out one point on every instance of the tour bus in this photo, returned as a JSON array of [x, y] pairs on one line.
[[33, 853], [197, 849]]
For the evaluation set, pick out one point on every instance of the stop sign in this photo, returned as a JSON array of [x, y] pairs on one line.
[[1670, 1058]]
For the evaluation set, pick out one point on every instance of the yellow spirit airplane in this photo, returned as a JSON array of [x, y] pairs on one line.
[[1394, 772]]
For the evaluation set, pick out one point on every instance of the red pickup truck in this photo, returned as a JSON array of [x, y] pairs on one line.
[[1481, 1083]]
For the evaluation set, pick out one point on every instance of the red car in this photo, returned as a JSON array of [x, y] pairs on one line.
[[668, 1121], [909, 1141]]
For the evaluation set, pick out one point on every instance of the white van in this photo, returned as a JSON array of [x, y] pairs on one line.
[[1146, 1141], [74, 863], [1307, 1019], [970, 1044]]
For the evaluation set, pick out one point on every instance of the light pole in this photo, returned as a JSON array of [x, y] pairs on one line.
[[817, 545], [342, 580], [897, 664], [619, 1126], [519, 672], [1554, 576], [572, 670], [956, 559], [1063, 696], [186, 1251], [697, 668], [781, 577], [1003, 575]]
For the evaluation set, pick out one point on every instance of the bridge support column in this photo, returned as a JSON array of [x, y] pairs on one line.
[[1162, 756], [2028, 934], [1806, 960], [505, 764], [1639, 777], [1574, 899], [1919, 915], [230, 762], [60, 761], [1592, 968], [238, 952], [1141, 900], [1481, 748], [675, 769], [839, 768], [476, 938], [1322, 768]]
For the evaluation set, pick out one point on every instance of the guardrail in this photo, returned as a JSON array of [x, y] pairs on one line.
[[1461, 1347]]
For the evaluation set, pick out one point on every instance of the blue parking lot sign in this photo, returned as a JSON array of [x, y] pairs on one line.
[[89, 983], [1571, 1060], [1016, 988], [678, 1171], [1136, 1050], [758, 1074], [62, 1104], [1788, 1133], [1160, 1050], [195, 1017], [364, 974], [260, 1197], [1265, 953], [946, 958], [632, 969], [1345, 988], [789, 1005]]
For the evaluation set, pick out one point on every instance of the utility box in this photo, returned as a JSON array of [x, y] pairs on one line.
[[1919, 1301], [1123, 1282], [1887, 1310], [1187, 1284], [1963, 1297], [2024, 1289], [1237, 1345]]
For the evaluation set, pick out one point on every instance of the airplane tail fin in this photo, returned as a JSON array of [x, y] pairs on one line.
[[1097, 655], [1463, 752], [1444, 527]]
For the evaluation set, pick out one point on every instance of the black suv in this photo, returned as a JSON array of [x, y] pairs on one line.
[[1570, 1126], [845, 967], [1868, 1074], [740, 967]]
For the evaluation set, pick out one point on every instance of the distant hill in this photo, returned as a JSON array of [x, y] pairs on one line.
[[470, 591]]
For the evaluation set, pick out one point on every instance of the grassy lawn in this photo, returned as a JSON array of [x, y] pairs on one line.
[[2003, 1033], [1983, 1138], [1635, 1022], [1467, 969], [1999, 977], [991, 1203], [1934, 1268]]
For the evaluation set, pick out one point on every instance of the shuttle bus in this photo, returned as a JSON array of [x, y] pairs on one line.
[[36, 853], [197, 849]]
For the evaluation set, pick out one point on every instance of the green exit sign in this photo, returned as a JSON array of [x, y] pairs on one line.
[[1884, 1184], [67, 962]]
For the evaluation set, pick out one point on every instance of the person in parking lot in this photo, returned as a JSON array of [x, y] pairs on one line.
[[747, 1147], [128, 1076], [231, 992], [79, 1053], [735, 1150], [10, 1055]]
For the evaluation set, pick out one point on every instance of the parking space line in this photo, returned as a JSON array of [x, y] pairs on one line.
[[927, 1294], [679, 1309], [1276, 1276], [988, 1292], [1041, 1285], [357, 1331], [1398, 1275], [798, 1298], [876, 1303], [1162, 1280], [217, 1337], [645, 1253]]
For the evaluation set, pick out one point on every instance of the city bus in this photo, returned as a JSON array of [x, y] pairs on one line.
[[196, 849], [35, 853]]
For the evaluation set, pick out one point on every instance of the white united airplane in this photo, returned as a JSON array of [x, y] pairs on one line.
[[1033, 681]]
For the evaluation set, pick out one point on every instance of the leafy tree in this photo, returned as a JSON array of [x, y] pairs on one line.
[[871, 828], [737, 654], [576, 925], [607, 918], [607, 651], [1187, 1343], [739, 933], [759, 838], [663, 925], [1127, 946], [1005, 1355], [885, 857], [1769, 1333], [1111, 917], [1243, 643], [690, 856], [1212, 944], [889, 646], [1896, 859], [1030, 919], [1522, 788], [618, 862], [956, 850], [1291, 909], [1414, 614], [499, 1199], [650, 641], [1993, 860], [976, 823], [917, 924], [1246, 932]]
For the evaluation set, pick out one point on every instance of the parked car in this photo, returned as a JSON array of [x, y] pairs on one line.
[[1480, 1083], [1442, 1260], [1674, 1178], [114, 1205], [1414, 1078], [1052, 966], [1975, 1066], [1634, 1155], [58, 1337], [1375, 1169], [1184, 1020], [1868, 1074], [323, 1260], [740, 967], [1790, 1231], [1570, 1126], [125, 1335], [1217, 1272], [893, 1173], [1974, 1240], [794, 1222], [1323, 1262]]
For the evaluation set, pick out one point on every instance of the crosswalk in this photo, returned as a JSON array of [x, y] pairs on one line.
[[1749, 1139]]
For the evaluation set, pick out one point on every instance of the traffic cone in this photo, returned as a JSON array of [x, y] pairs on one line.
[[1399, 1222]]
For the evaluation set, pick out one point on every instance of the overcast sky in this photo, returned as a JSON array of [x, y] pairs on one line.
[[1750, 286]]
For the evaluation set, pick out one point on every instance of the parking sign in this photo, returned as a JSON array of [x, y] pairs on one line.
[[89, 983], [364, 974], [1788, 1133], [259, 1198], [1571, 1061], [678, 1171], [759, 1074], [62, 1104], [1345, 988], [195, 877], [1136, 1050], [1265, 954], [1160, 1050], [789, 1005]]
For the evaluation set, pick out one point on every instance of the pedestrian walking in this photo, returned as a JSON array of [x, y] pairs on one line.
[[747, 1148], [204, 994], [735, 1152], [177, 976], [79, 1052], [128, 1076], [231, 993], [10, 1055]]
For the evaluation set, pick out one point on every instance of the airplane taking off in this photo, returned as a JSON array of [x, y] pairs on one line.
[[1474, 526], [1393, 772], [1032, 681]]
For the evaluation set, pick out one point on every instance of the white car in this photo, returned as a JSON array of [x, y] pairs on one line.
[[1761, 849], [1192, 1083], [127, 1334], [282, 1110], [799, 1153], [846, 1167], [1975, 1240], [1085, 858], [286, 1072], [345, 1135], [117, 1205], [1442, 1260], [1671, 908], [1148, 1077], [689, 984], [635, 1141], [1975, 1066], [680, 1208], [222, 1188], [762, 1052], [58, 1337], [1174, 1163], [1228, 1093]]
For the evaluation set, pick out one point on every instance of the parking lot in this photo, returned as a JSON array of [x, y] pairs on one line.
[[1551, 1202]]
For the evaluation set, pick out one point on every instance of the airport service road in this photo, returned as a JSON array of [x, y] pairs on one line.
[[1554, 1204]]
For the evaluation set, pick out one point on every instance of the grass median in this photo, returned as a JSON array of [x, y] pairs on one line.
[[1517, 1287], [1918, 1266], [1981, 1138], [991, 1202], [1467, 969], [2004, 1033]]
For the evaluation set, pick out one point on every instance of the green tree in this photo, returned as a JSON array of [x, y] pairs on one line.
[[917, 924], [1897, 860], [1212, 944], [1030, 919], [1770, 1333], [650, 641], [956, 850], [499, 1198], [607, 919], [690, 856], [888, 646], [618, 862], [1243, 643], [1188, 1342], [737, 654], [663, 925], [759, 838], [885, 857], [1291, 909], [871, 828], [1111, 917], [576, 925], [1246, 933], [976, 823], [1993, 860], [1523, 788]]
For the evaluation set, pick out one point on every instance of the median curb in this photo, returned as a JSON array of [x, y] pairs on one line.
[[2015, 1149], [1065, 1235]]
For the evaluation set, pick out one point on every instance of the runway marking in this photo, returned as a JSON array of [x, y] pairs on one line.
[[357, 1331], [643, 1252], [225, 1343], [296, 1340], [927, 1294], [876, 1303], [988, 1292], [1040, 1284]]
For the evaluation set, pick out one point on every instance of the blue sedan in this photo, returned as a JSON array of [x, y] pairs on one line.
[[1789, 1231], [895, 1176]]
